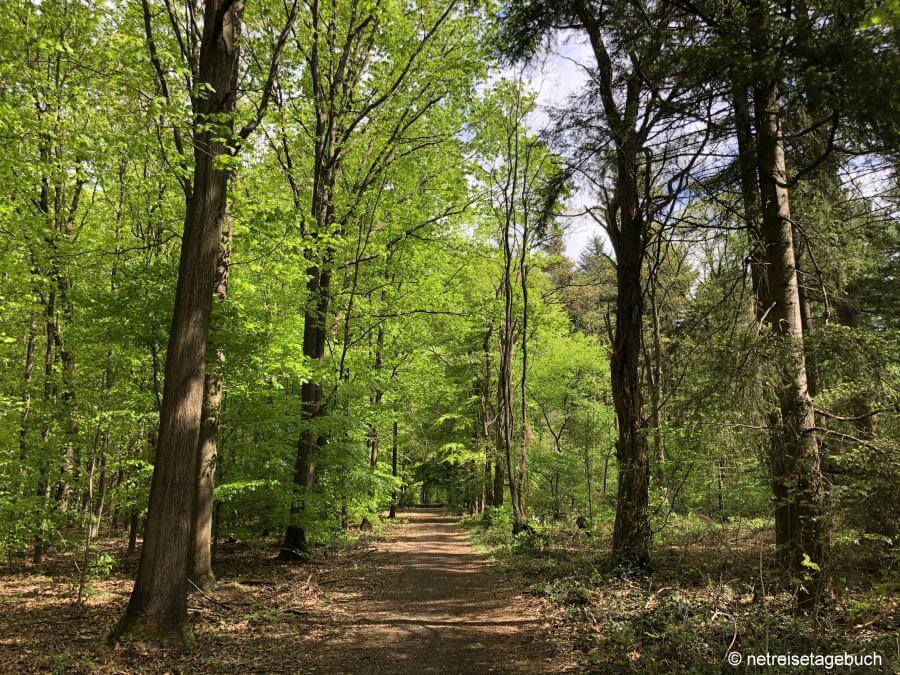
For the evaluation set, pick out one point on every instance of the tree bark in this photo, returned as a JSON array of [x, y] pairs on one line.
[[157, 609], [499, 480], [49, 397], [631, 530], [26, 391], [393, 512], [626, 227], [379, 395], [797, 480], [207, 446], [296, 545], [654, 377], [202, 574]]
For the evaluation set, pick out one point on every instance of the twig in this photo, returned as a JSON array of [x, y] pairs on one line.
[[209, 597]]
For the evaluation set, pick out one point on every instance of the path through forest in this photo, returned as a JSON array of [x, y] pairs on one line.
[[434, 605], [415, 599]]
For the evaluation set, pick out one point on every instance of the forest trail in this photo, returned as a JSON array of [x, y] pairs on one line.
[[415, 598], [433, 605]]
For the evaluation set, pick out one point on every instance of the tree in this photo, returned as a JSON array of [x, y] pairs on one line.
[[634, 48], [158, 604]]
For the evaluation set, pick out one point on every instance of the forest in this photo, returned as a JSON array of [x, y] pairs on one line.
[[372, 336]]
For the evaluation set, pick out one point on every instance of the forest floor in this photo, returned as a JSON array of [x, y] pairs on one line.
[[714, 589], [413, 598]]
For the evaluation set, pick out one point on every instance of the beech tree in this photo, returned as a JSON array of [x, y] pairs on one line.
[[158, 604]]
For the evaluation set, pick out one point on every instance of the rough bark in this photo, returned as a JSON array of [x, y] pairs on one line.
[[626, 225], [752, 210], [326, 160], [631, 530], [157, 609], [202, 574]]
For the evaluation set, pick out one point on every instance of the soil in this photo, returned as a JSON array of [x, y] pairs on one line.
[[417, 599]]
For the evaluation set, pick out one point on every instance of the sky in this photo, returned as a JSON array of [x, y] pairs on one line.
[[559, 73]]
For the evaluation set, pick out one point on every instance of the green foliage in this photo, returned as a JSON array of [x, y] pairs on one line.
[[95, 173]]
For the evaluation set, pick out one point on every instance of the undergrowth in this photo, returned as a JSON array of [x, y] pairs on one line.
[[712, 590]]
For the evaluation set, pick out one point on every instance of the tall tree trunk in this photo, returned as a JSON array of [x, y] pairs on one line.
[[521, 523], [296, 545], [393, 512], [157, 609], [70, 450], [108, 370], [379, 395], [588, 484], [486, 415], [752, 202], [655, 375], [49, 397], [26, 392], [505, 417], [631, 531], [98, 499], [499, 481], [202, 574], [796, 473], [627, 228]]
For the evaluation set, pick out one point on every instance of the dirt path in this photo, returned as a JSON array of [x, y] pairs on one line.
[[433, 605], [415, 600]]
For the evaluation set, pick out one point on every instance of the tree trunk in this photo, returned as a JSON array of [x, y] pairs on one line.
[[26, 392], [99, 499], [49, 396], [379, 395], [207, 454], [505, 417], [499, 480], [631, 531], [295, 545], [157, 609], [588, 482], [393, 511], [207, 446], [521, 524], [797, 478], [655, 374], [752, 205]]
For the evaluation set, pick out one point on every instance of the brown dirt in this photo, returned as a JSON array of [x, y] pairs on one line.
[[436, 606], [418, 599]]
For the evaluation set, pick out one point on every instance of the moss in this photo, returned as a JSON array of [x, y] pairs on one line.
[[179, 636]]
